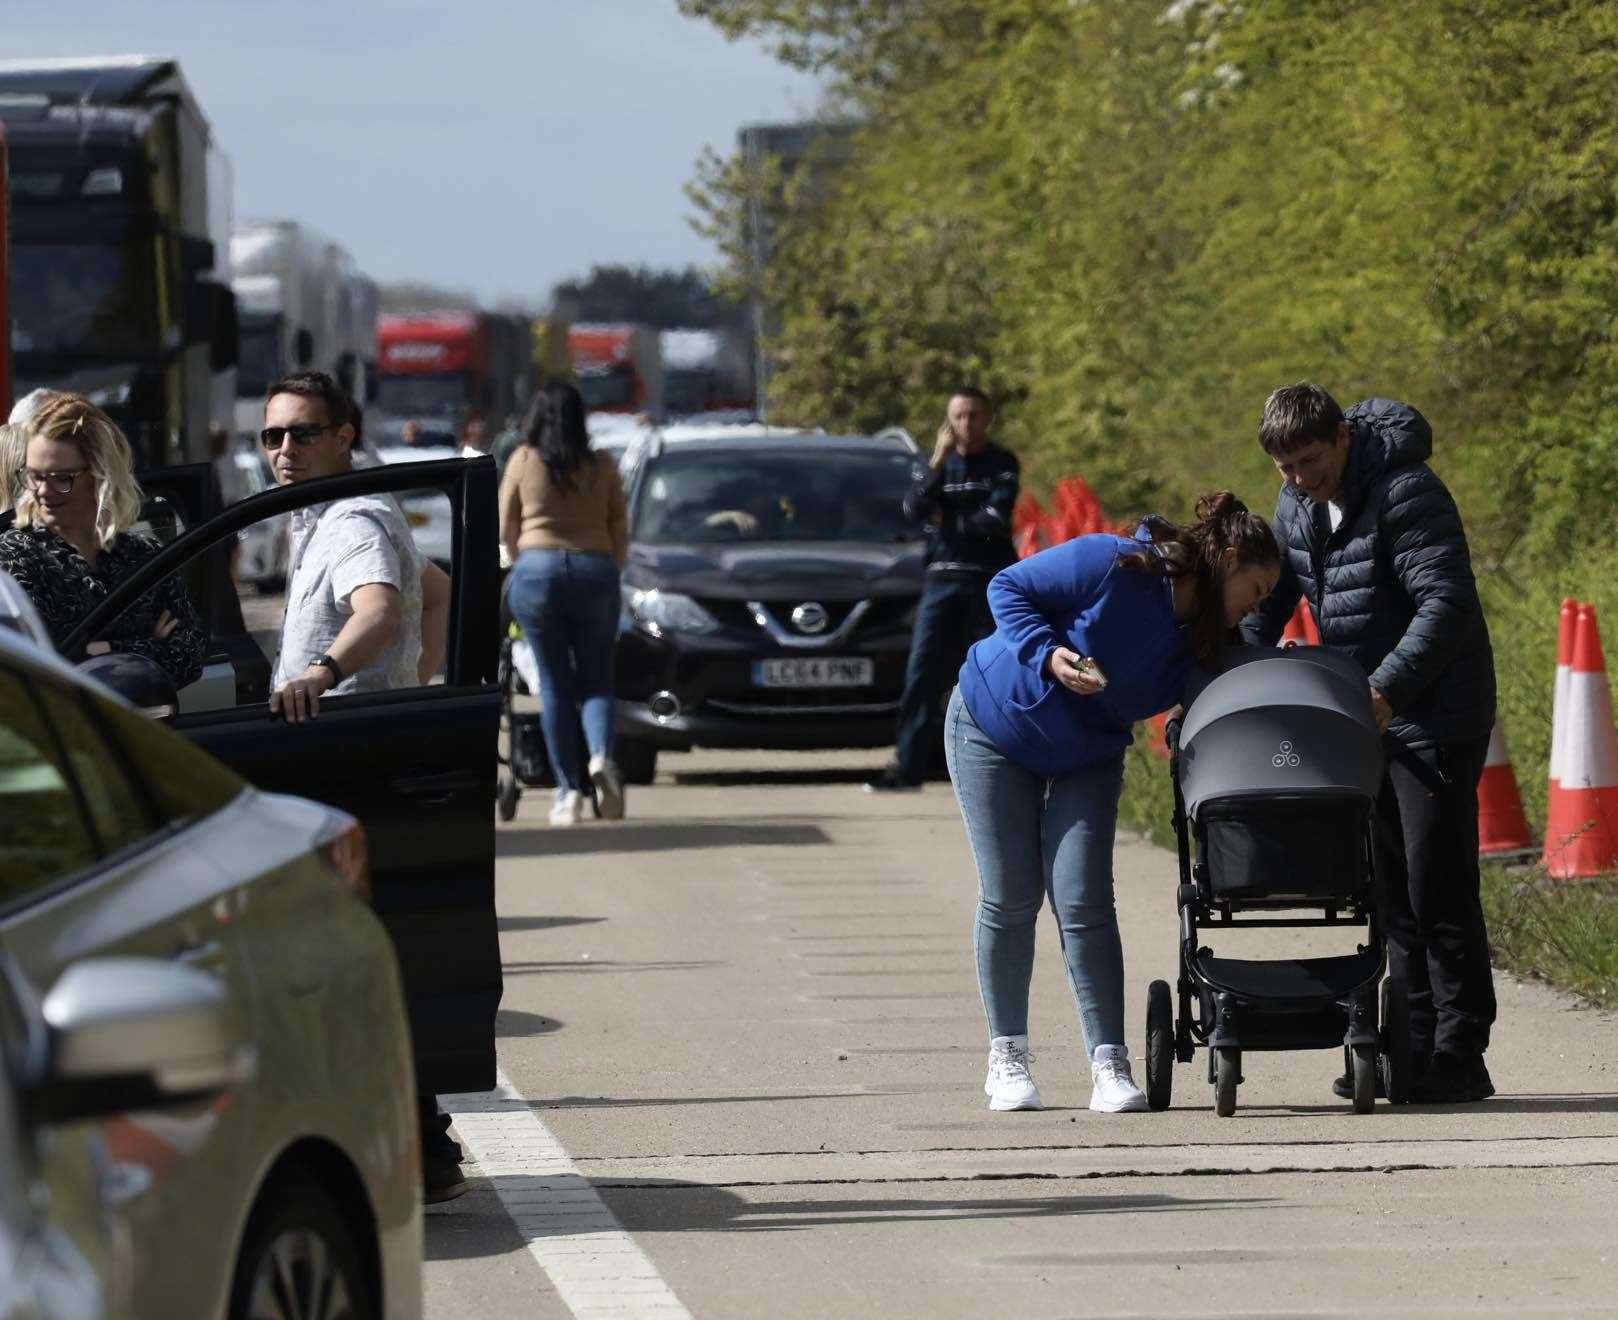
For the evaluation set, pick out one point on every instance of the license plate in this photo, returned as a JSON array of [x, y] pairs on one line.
[[815, 672]]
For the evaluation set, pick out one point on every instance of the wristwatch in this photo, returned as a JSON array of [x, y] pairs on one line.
[[326, 662]]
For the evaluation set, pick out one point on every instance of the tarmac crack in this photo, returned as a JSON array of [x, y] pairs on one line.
[[1088, 1175], [1067, 1148]]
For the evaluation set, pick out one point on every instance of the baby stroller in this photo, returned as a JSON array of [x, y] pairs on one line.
[[1275, 767], [525, 764]]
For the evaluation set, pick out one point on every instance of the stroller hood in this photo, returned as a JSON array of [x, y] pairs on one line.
[[1281, 723]]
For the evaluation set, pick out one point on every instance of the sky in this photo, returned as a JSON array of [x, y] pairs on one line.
[[496, 147]]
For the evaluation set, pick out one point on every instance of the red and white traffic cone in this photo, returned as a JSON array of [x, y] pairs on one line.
[[1581, 817], [1564, 667], [1502, 827]]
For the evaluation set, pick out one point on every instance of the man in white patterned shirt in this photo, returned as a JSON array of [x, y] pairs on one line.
[[365, 611]]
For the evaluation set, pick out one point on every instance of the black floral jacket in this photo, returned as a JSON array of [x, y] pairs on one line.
[[64, 589]]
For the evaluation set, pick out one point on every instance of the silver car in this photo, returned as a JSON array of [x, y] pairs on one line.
[[206, 1093]]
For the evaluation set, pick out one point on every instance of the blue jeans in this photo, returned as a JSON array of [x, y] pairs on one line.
[[1035, 838], [567, 604]]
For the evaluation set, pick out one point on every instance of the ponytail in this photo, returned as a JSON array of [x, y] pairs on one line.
[[1197, 552]]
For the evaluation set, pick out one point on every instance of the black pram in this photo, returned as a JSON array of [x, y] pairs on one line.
[[1275, 764]]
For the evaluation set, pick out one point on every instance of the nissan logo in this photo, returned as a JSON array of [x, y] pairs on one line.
[[810, 617]]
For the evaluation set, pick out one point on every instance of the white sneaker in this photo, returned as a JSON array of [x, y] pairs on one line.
[[1009, 1084], [568, 809], [1115, 1091], [609, 788]]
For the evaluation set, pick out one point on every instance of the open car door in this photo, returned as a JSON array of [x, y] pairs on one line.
[[415, 765]]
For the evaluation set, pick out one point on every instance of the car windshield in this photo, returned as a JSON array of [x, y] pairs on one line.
[[83, 300], [685, 392], [816, 494], [259, 361], [614, 388], [440, 395]]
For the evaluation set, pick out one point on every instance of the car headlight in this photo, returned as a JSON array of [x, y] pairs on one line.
[[667, 611]]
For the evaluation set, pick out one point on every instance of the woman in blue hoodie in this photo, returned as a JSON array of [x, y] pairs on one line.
[[1091, 637]]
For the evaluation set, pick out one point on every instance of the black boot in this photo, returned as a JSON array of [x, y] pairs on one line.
[[441, 1176], [1453, 1080]]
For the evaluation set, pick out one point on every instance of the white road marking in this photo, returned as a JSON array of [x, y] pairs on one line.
[[593, 1264]]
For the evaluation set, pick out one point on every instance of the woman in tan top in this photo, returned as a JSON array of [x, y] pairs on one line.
[[562, 523]]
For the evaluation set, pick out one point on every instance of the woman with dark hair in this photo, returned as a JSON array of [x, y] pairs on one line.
[[562, 524], [1091, 636]]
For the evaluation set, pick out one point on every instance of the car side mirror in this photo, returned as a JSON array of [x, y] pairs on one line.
[[135, 1033]]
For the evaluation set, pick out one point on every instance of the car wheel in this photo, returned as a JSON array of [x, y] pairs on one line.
[[299, 1259]]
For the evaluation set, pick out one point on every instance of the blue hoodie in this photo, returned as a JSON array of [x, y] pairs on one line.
[[1075, 595]]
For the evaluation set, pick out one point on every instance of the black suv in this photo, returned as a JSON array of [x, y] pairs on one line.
[[770, 592]]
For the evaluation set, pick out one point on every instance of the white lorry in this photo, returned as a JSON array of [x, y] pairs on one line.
[[303, 305]]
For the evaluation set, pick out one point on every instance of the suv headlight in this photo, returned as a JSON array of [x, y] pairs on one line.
[[667, 611]]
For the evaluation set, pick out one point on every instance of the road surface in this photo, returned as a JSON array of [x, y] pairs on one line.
[[745, 1055]]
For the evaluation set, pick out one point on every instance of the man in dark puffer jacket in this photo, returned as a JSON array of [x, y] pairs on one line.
[[1373, 540]]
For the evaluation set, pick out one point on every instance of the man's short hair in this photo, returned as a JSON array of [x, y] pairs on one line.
[[316, 385], [1295, 416], [973, 392]]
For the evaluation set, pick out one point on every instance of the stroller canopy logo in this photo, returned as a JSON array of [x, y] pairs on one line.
[[1285, 758]]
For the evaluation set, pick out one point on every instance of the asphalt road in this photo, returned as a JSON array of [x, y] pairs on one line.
[[745, 1061]]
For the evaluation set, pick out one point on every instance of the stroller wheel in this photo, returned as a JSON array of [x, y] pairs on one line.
[[506, 795], [1395, 1042], [1364, 1078], [1227, 1073], [1159, 1045]]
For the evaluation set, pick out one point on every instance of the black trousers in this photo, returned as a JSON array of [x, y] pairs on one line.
[[1425, 849], [952, 615]]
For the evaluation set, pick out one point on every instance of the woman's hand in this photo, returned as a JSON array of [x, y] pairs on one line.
[[166, 623], [98, 648], [1064, 668]]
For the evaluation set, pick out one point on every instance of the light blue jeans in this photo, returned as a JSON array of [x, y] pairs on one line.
[[567, 603], [1035, 838]]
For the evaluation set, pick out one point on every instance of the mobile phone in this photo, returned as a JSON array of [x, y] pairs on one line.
[[1091, 670]]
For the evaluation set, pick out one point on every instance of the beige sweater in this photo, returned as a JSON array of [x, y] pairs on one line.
[[539, 515]]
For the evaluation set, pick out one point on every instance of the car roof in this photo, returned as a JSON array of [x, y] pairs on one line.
[[765, 439]]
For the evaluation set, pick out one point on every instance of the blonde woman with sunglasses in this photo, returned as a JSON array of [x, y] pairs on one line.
[[71, 544]]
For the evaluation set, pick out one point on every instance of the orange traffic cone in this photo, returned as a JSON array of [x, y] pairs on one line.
[[1564, 666], [1581, 817], [1502, 827], [1300, 629]]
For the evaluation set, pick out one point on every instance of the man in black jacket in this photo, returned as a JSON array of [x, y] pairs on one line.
[[966, 496], [1373, 540]]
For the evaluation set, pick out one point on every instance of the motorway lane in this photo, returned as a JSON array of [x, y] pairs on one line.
[[748, 1014]]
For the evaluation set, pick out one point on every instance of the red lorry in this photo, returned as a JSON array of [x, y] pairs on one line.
[[441, 370], [619, 367]]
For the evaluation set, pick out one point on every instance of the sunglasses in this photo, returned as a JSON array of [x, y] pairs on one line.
[[305, 433], [58, 483]]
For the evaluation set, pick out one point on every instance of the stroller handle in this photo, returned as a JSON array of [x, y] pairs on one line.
[[1171, 734]]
